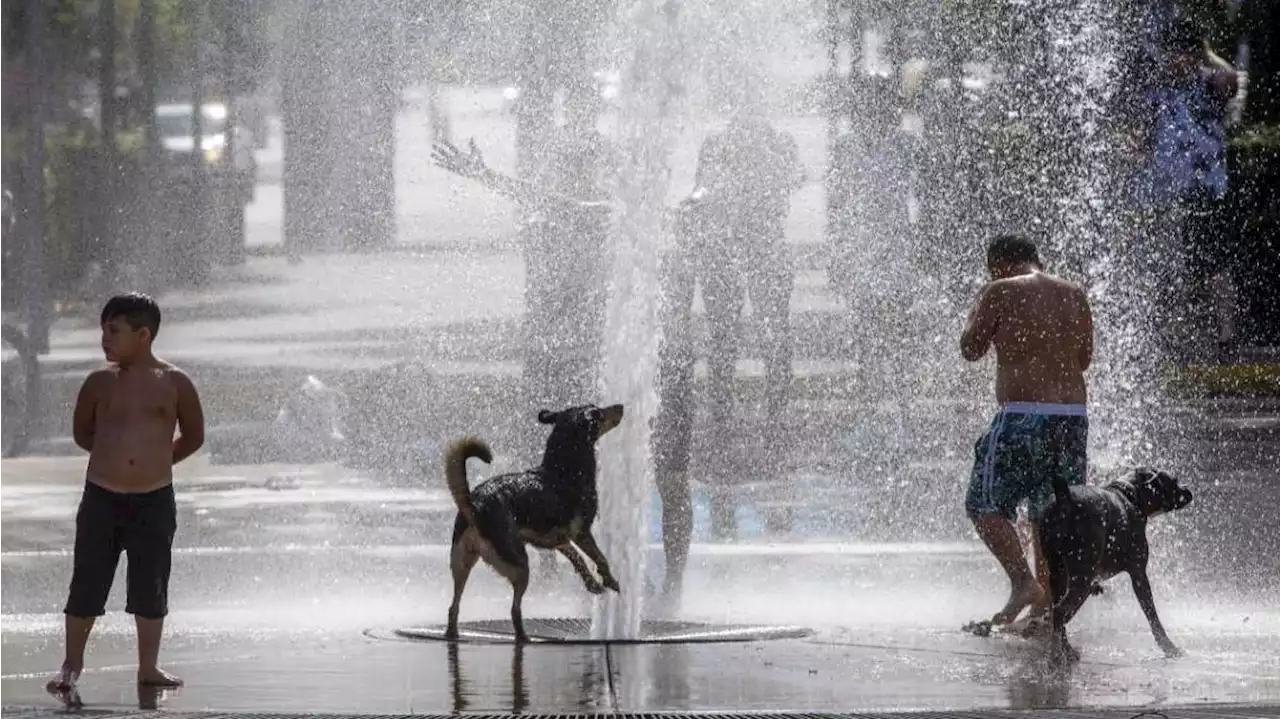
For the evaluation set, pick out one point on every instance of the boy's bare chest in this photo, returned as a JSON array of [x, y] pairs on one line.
[[139, 396]]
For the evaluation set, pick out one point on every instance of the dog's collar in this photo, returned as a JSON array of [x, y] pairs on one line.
[[1126, 490]]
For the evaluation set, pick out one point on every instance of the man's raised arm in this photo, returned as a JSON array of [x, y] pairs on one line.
[[983, 321]]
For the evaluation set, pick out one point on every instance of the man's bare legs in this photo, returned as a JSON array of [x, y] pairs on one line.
[[1041, 607], [1001, 537], [149, 673]]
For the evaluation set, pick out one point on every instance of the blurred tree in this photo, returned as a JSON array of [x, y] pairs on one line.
[[74, 42], [1260, 29], [240, 26]]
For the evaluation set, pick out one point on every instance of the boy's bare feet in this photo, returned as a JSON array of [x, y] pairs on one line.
[[65, 681], [63, 687], [1022, 596], [157, 677]]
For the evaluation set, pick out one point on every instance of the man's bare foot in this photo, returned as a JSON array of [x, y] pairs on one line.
[[157, 677], [1020, 598]]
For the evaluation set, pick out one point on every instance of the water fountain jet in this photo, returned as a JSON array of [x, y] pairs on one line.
[[646, 133]]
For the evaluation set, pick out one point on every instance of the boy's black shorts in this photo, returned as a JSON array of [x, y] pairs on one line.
[[141, 524]]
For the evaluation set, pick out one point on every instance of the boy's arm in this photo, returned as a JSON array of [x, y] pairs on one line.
[[84, 418], [983, 321], [190, 417]]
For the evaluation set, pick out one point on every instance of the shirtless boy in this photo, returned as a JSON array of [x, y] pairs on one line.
[[125, 417], [1042, 330]]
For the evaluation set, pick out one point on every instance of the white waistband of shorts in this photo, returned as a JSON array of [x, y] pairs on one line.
[[1045, 408]]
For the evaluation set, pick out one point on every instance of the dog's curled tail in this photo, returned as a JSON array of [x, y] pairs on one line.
[[455, 472], [1061, 490]]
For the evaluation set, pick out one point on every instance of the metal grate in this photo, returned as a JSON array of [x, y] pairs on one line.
[[1187, 712], [562, 630]]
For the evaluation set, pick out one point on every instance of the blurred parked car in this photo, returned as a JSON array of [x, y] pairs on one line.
[[174, 123]]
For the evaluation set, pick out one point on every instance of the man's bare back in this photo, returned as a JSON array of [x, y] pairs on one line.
[[1042, 330], [126, 417]]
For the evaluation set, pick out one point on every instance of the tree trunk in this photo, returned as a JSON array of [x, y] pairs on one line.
[[32, 205], [307, 110], [105, 193], [1262, 33], [147, 70]]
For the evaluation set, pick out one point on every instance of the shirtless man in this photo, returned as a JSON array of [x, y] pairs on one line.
[[1042, 329], [125, 417]]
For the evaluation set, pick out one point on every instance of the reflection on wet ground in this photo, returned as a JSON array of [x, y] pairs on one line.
[[339, 671], [284, 604]]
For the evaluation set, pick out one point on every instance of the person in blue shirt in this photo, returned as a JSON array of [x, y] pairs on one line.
[[1183, 181]]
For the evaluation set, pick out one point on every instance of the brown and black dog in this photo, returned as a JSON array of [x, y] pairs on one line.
[[551, 506]]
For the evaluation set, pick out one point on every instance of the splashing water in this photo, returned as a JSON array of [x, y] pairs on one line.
[[1091, 226], [646, 135]]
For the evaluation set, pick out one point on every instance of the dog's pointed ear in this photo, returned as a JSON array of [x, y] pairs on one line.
[[546, 416]]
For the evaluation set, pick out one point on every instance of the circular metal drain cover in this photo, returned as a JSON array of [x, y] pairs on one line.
[[578, 631]]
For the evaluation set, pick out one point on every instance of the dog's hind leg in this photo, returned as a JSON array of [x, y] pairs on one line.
[[1067, 601], [462, 558], [511, 560], [519, 583], [1067, 596], [580, 565], [592, 550]]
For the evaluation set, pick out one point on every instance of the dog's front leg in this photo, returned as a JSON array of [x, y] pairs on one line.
[[575, 558], [588, 545], [1142, 590]]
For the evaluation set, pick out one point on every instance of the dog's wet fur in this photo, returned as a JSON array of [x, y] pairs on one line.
[[552, 506], [1090, 534]]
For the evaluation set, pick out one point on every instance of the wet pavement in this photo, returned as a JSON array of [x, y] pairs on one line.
[[290, 581]]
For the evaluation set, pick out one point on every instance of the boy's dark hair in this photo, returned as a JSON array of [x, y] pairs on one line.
[[137, 309], [1012, 249]]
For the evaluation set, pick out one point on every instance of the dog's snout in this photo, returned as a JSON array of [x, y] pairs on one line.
[[611, 418], [612, 415], [1184, 497]]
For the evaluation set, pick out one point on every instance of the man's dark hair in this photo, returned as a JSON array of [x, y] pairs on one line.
[[1012, 249], [137, 309]]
